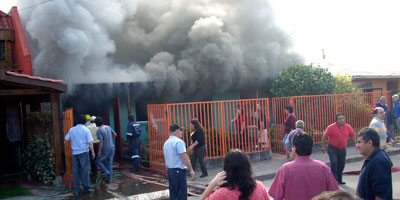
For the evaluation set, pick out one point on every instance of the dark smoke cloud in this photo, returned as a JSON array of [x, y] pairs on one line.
[[188, 49]]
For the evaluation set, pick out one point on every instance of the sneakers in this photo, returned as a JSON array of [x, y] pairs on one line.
[[342, 183]]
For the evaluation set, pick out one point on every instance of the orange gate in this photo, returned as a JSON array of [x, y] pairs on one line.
[[68, 122], [318, 111], [224, 127]]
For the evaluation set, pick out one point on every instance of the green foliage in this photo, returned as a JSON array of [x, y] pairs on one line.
[[40, 124], [344, 84], [8, 192], [38, 161], [300, 80]]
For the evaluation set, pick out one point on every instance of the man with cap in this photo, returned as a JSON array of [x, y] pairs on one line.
[[177, 163], [93, 130]]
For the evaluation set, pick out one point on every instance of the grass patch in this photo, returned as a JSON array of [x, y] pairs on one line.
[[13, 192]]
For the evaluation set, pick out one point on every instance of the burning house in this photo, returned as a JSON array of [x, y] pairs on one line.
[[118, 56]]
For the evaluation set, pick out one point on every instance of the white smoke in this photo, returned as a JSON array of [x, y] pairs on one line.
[[185, 48]]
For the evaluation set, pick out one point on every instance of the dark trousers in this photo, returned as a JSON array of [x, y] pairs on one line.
[[177, 184], [93, 165], [199, 154], [80, 166], [337, 158], [134, 144]]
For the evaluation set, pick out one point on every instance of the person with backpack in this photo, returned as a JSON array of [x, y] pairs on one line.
[[133, 136]]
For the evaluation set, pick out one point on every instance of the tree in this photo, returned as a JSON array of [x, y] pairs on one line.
[[344, 84], [298, 80]]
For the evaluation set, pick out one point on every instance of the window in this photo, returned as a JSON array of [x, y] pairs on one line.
[[2, 49]]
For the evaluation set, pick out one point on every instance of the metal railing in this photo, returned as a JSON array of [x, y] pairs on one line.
[[224, 128]]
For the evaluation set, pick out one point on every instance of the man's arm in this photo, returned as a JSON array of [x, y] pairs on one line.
[[92, 149], [100, 147], [114, 134], [323, 144], [186, 162], [354, 140]]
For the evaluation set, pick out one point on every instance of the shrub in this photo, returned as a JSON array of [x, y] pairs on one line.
[[38, 161]]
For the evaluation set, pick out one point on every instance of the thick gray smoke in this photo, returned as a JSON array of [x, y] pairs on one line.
[[185, 48]]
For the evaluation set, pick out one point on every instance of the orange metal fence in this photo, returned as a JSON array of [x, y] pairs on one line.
[[318, 111], [68, 122], [224, 127]]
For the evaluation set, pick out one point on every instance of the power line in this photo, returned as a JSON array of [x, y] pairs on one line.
[[34, 5]]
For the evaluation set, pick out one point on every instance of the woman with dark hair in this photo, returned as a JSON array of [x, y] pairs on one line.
[[198, 146], [236, 181]]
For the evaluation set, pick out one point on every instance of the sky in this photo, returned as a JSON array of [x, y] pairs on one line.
[[359, 36]]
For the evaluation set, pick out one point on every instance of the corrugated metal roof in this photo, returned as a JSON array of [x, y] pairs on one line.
[[5, 22]]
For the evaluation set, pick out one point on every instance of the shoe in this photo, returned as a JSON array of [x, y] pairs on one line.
[[107, 181], [76, 194], [342, 183], [203, 175], [87, 191]]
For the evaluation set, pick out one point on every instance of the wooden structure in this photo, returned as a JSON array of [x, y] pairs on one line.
[[29, 92]]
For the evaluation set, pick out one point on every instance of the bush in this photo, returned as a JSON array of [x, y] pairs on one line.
[[344, 84], [38, 161], [299, 80]]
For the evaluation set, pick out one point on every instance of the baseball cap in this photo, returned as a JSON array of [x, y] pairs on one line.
[[174, 127], [92, 118]]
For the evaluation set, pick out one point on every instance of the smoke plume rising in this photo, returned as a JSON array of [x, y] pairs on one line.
[[185, 48]]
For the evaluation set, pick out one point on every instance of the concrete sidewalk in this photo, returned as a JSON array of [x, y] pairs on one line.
[[267, 169]]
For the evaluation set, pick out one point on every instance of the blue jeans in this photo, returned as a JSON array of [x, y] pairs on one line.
[[391, 132], [105, 162], [177, 184], [283, 142], [337, 158], [134, 144], [81, 167]]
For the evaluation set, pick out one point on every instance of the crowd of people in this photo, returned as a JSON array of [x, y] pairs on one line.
[[302, 177], [91, 134]]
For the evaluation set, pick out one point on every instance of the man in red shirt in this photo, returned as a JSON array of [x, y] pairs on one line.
[[288, 125], [337, 134]]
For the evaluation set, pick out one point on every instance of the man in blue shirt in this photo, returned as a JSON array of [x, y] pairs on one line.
[[105, 153], [81, 141], [177, 163], [375, 181], [133, 137]]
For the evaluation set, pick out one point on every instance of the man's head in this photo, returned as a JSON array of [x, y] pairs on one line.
[[379, 113], [300, 124], [131, 118], [302, 144], [382, 100], [175, 130], [340, 119], [367, 141], [98, 121], [395, 98], [82, 119], [288, 109], [92, 118]]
